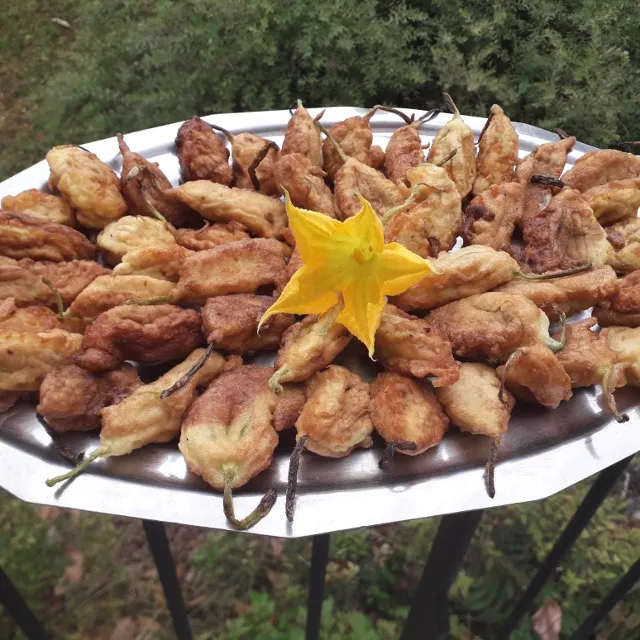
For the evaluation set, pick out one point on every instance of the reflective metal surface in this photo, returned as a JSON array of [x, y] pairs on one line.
[[543, 452]]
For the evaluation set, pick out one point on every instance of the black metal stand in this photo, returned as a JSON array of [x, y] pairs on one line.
[[18, 609], [594, 498], [617, 593], [319, 561], [429, 614], [161, 552]]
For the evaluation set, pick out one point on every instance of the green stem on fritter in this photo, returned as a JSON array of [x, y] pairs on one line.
[[391, 448], [98, 453], [292, 479], [176, 386]]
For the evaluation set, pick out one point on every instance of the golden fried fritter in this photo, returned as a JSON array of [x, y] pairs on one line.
[[295, 262], [405, 409], [571, 293], [41, 205], [22, 279], [230, 323], [403, 151], [202, 153], [305, 184], [303, 137], [162, 262], [599, 167], [244, 149], [34, 319], [144, 185], [210, 236], [89, 185], [622, 304], [106, 292], [491, 218], [336, 415], [497, 152], [408, 345], [236, 267], [132, 232], [24, 236], [625, 343], [147, 334], [624, 249], [290, 404], [615, 201], [473, 404], [25, 358], [260, 214], [71, 398], [459, 274]]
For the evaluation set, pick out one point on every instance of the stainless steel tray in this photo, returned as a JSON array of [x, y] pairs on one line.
[[543, 452]]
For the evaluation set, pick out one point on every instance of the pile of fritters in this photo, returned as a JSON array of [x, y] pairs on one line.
[[106, 270]]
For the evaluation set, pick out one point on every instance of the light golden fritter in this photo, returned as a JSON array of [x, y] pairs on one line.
[[25, 358], [624, 245], [22, 279], [615, 201], [228, 436], [34, 319], [132, 232], [261, 215], [24, 236], [570, 293], [599, 167], [404, 409], [162, 262], [336, 415], [408, 345], [404, 151], [202, 153], [622, 304], [41, 205], [146, 334], [210, 236], [460, 274], [71, 398], [106, 292], [625, 343], [236, 267], [144, 417], [473, 404], [497, 152], [89, 185], [303, 137], [491, 218], [244, 149], [230, 323]]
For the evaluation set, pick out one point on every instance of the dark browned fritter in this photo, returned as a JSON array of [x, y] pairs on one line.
[[622, 305], [403, 152]]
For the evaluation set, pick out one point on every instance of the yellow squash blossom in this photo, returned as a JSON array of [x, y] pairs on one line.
[[349, 259]]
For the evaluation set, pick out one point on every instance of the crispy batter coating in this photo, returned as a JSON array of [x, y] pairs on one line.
[[625, 343], [261, 215], [295, 262], [311, 345], [622, 304], [599, 167], [615, 201], [408, 345], [472, 403], [303, 137], [460, 274], [490, 326], [34, 319], [403, 151], [89, 185], [71, 398], [144, 417], [244, 149], [336, 415], [305, 184], [230, 323], [142, 182], [405, 409], [41, 205], [202, 153], [132, 232], [25, 358], [497, 152], [571, 293], [624, 250], [24, 236], [290, 404], [491, 217], [146, 334], [106, 292], [565, 235], [210, 236], [162, 262], [22, 279]]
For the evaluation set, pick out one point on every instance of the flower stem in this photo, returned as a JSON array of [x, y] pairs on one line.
[[558, 345], [391, 448], [274, 381], [560, 273], [262, 510], [260, 156], [490, 468], [176, 386], [608, 389], [100, 452], [292, 480]]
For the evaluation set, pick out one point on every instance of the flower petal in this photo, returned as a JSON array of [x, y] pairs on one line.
[[365, 226], [399, 269]]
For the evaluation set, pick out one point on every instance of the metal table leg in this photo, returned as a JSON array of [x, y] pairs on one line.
[[18, 609], [161, 552], [429, 614], [594, 498], [319, 561]]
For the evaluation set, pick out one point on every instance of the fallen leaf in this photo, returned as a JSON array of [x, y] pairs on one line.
[[125, 629], [61, 22], [547, 620]]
